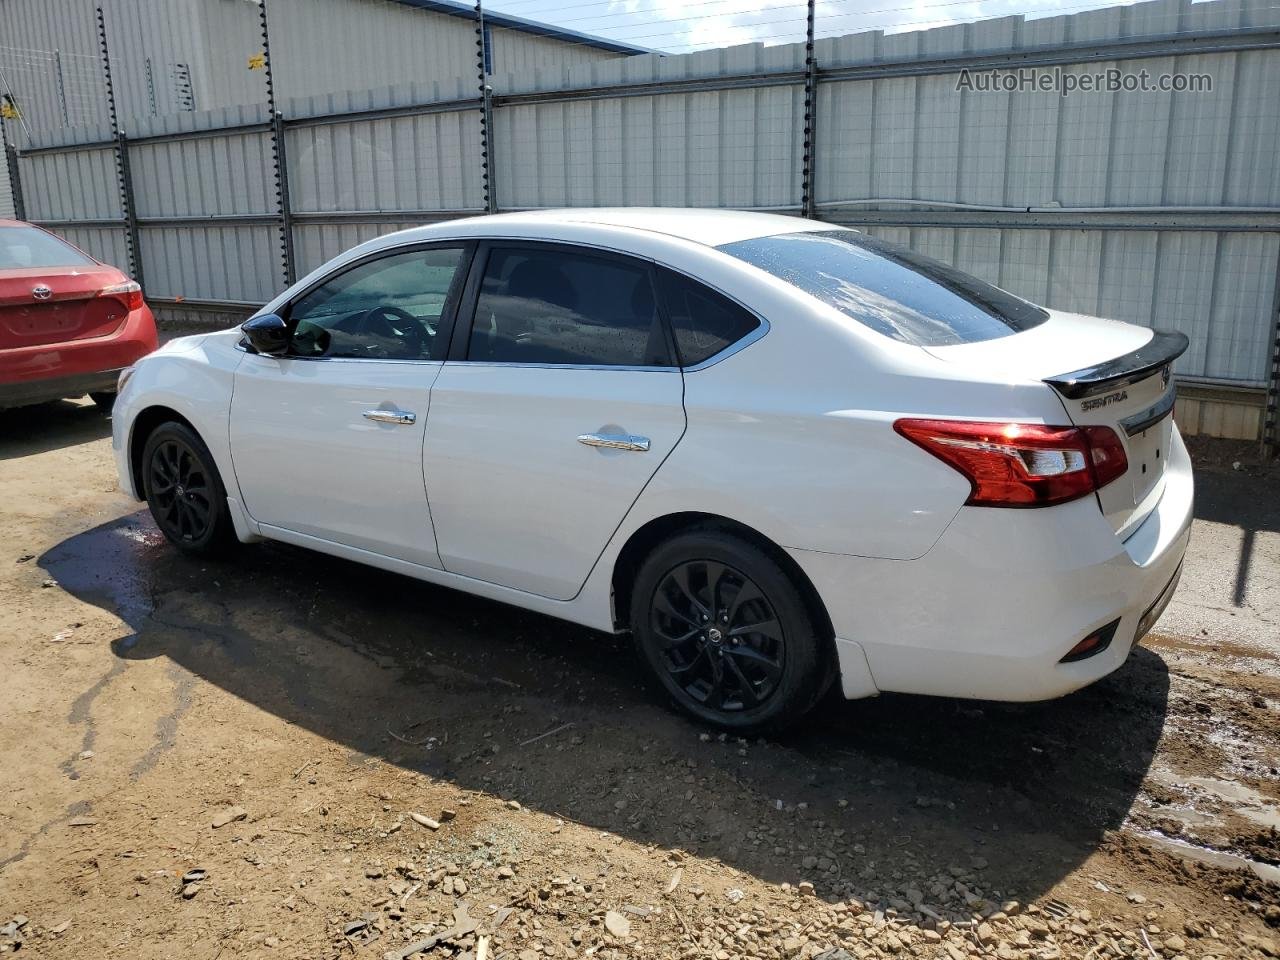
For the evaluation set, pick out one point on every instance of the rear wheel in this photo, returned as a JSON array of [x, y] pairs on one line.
[[185, 492], [728, 633], [104, 400]]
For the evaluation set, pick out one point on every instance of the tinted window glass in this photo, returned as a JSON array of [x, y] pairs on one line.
[[22, 247], [704, 322], [386, 309], [891, 289], [557, 306]]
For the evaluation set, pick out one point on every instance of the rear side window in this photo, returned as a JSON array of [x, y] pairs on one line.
[[23, 247], [892, 290], [704, 322], [558, 306]]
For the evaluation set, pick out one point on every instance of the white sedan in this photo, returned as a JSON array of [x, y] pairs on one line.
[[779, 453]]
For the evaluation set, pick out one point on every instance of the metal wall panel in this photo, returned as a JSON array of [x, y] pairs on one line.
[[49, 54], [73, 185], [204, 176], [212, 263], [427, 162], [315, 244], [730, 148], [108, 244]]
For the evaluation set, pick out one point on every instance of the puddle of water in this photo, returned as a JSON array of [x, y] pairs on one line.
[[1244, 800], [1185, 815], [110, 565], [1216, 858]]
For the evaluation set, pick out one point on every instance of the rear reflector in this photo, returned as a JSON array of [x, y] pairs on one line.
[[129, 293], [1093, 644], [1021, 464]]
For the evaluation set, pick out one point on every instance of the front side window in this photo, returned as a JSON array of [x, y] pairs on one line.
[[894, 291], [704, 322], [24, 247], [555, 306], [384, 309]]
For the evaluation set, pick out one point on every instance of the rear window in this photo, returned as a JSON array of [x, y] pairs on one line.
[[22, 247], [892, 290]]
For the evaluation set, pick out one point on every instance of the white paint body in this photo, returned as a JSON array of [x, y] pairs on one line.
[[790, 435]]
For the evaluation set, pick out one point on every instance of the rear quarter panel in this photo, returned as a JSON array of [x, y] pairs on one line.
[[793, 434]]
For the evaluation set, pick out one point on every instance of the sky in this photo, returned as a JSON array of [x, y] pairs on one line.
[[679, 26]]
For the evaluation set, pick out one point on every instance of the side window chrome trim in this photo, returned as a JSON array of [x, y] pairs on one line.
[[566, 366], [253, 353]]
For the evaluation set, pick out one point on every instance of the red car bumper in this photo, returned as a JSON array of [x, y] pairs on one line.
[[72, 368]]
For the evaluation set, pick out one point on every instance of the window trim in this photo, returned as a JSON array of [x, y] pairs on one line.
[[448, 316], [470, 300]]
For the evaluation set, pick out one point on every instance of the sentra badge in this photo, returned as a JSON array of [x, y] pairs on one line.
[[1118, 397]]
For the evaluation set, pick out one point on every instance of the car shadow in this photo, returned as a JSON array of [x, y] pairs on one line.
[[27, 431], [866, 795]]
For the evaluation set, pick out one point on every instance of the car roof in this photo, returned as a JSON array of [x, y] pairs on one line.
[[704, 226], [13, 223]]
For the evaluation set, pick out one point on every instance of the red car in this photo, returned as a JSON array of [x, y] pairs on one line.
[[68, 323]]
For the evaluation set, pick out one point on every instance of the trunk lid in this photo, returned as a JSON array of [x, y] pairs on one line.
[[1105, 373], [39, 305]]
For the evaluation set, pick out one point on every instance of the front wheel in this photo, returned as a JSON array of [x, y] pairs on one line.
[[727, 632], [184, 491], [104, 400]]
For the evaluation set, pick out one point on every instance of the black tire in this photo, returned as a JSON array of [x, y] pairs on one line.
[[184, 491], [104, 400], [770, 676]]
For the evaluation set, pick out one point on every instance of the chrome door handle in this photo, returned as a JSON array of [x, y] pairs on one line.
[[391, 416], [615, 441]]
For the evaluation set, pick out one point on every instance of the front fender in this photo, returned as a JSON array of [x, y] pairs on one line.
[[193, 377]]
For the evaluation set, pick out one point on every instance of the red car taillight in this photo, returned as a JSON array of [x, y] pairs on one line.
[[129, 293], [1022, 464]]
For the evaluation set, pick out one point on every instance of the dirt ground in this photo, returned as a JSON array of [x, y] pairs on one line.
[[276, 729]]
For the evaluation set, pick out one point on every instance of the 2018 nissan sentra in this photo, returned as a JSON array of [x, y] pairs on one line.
[[781, 454]]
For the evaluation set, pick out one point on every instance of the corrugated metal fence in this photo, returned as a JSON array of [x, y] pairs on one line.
[[1157, 208]]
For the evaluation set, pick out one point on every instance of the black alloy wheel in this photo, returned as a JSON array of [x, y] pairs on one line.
[[730, 630], [724, 645], [185, 492]]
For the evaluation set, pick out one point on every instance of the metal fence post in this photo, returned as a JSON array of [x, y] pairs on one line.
[[123, 176], [278, 158], [486, 113], [15, 174], [807, 206], [127, 204], [1270, 426]]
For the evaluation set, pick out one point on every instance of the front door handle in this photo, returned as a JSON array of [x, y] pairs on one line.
[[391, 416], [615, 441]]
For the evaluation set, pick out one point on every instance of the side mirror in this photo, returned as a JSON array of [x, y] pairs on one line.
[[268, 334]]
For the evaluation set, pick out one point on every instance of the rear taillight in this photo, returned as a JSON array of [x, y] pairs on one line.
[[129, 293], [1021, 464]]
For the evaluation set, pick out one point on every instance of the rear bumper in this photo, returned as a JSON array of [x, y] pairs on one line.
[[74, 367], [991, 610], [26, 392]]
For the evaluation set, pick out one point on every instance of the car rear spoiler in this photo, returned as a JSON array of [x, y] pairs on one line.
[[1160, 351]]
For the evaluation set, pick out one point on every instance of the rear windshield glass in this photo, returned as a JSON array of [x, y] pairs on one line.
[[891, 289], [28, 247]]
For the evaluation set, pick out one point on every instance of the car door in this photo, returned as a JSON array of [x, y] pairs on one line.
[[327, 440], [559, 401]]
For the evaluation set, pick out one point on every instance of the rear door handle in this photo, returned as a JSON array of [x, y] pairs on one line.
[[391, 416], [615, 441]]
